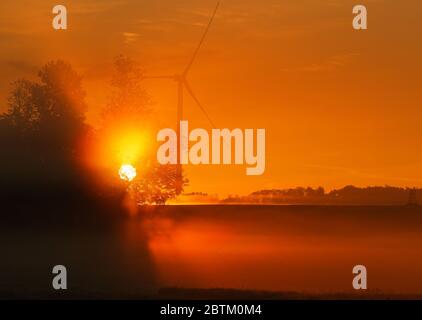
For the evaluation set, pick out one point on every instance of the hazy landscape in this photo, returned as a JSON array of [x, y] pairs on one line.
[[267, 251], [86, 183]]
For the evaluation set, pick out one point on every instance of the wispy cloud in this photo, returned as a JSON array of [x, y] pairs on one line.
[[92, 6], [332, 63], [130, 37]]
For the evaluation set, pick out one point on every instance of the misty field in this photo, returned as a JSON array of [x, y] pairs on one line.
[[223, 251]]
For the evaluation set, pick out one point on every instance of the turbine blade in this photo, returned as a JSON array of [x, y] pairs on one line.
[[189, 90], [201, 41]]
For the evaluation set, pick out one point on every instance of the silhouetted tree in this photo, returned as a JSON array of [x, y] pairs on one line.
[[23, 113], [61, 103], [158, 185], [42, 127], [130, 104], [128, 100]]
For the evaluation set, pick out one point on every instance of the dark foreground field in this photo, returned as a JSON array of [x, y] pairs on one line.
[[257, 252]]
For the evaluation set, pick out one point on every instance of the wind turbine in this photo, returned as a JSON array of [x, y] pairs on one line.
[[183, 84]]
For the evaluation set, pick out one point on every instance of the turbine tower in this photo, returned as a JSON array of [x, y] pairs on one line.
[[183, 84]]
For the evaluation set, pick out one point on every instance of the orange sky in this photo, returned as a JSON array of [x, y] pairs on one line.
[[339, 106]]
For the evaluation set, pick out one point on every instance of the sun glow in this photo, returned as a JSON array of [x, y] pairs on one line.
[[127, 172], [115, 149]]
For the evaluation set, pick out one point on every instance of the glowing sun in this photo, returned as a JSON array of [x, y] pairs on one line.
[[127, 172]]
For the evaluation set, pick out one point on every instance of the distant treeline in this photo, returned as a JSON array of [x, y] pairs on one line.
[[349, 195]]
